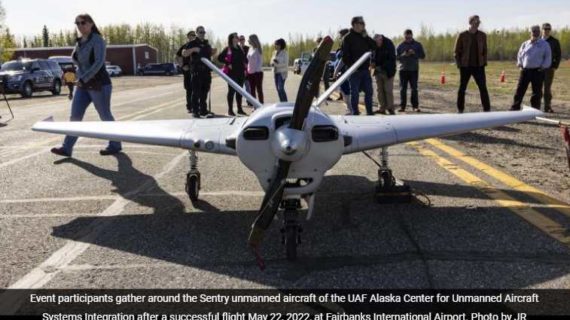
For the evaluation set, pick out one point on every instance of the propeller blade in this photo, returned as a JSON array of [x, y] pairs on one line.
[[310, 84], [270, 203], [307, 89]]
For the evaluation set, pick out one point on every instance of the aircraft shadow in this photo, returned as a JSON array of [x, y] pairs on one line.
[[351, 242]]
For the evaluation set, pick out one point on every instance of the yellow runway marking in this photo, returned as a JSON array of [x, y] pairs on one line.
[[505, 178], [523, 210]]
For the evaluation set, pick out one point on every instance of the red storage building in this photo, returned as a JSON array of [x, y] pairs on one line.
[[126, 56]]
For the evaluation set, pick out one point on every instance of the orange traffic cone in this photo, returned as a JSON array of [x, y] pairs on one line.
[[502, 78], [442, 79]]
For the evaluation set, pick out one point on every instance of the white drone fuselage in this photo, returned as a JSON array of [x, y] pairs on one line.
[[265, 138]]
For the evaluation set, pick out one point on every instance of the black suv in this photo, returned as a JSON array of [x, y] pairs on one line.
[[152, 69], [27, 76]]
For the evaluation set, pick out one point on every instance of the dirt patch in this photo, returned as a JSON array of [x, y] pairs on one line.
[[530, 151]]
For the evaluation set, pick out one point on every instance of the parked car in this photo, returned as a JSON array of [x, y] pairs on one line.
[[114, 71], [63, 61], [27, 76], [155, 69], [301, 64]]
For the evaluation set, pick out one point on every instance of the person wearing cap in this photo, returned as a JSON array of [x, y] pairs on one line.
[[409, 53], [201, 75], [354, 45], [384, 64], [549, 72], [471, 59], [184, 63], [533, 58]]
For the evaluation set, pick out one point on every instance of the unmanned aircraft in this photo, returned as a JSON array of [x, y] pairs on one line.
[[288, 146]]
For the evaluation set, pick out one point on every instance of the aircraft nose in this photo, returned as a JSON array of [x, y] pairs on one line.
[[289, 144]]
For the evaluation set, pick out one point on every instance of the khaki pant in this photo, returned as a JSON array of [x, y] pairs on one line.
[[548, 78], [385, 87]]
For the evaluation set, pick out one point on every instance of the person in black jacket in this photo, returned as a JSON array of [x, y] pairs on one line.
[[549, 73], [355, 44], [235, 61], [184, 63], [201, 76], [384, 63]]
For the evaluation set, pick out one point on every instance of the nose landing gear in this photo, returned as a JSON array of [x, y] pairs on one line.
[[291, 229]]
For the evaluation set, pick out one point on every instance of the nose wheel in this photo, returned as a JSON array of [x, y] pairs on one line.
[[291, 230], [193, 183]]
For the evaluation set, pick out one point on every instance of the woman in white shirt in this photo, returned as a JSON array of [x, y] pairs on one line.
[[254, 68], [280, 64]]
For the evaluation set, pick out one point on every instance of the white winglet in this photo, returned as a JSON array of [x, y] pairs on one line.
[[342, 79], [256, 104]]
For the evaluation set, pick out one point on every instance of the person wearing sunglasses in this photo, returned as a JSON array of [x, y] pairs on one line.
[[93, 84], [201, 74], [549, 72]]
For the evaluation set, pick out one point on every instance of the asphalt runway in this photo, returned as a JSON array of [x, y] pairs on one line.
[[125, 221]]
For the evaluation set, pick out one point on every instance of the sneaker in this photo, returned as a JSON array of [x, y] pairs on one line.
[[69, 97], [109, 152], [241, 112], [60, 152], [548, 110], [380, 111], [369, 113], [402, 109], [231, 113], [195, 115], [392, 112], [417, 110], [209, 115]]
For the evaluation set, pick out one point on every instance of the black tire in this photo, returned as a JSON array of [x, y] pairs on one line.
[[27, 90], [291, 237], [193, 186], [56, 88]]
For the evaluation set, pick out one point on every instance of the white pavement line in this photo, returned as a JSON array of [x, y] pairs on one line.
[[63, 199], [87, 267], [149, 111], [48, 215], [48, 269]]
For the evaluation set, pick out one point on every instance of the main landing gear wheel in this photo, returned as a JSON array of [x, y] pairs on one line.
[[193, 185]]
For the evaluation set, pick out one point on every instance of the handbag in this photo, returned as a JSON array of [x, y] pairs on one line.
[[96, 82], [228, 61]]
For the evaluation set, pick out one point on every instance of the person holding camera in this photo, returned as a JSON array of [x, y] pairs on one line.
[[409, 53], [184, 63], [471, 59], [354, 45], [235, 61], [93, 83], [280, 64]]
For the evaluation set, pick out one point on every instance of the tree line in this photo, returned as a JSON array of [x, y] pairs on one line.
[[502, 44]]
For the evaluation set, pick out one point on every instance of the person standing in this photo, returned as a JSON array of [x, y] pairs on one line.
[[235, 62], [200, 73], [549, 72], [409, 52], [280, 64], [533, 58], [69, 78], [384, 63], [184, 63], [354, 45], [471, 59], [339, 68], [93, 82], [255, 68], [245, 49]]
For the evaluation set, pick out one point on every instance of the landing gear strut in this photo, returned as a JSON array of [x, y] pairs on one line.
[[291, 230], [390, 190], [193, 177]]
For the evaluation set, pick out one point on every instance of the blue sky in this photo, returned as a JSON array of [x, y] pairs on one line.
[[272, 19]]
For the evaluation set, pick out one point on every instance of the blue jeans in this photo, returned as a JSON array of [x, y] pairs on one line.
[[361, 80], [102, 102], [280, 85]]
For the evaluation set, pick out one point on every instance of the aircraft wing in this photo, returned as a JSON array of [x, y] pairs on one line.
[[206, 135], [365, 133]]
